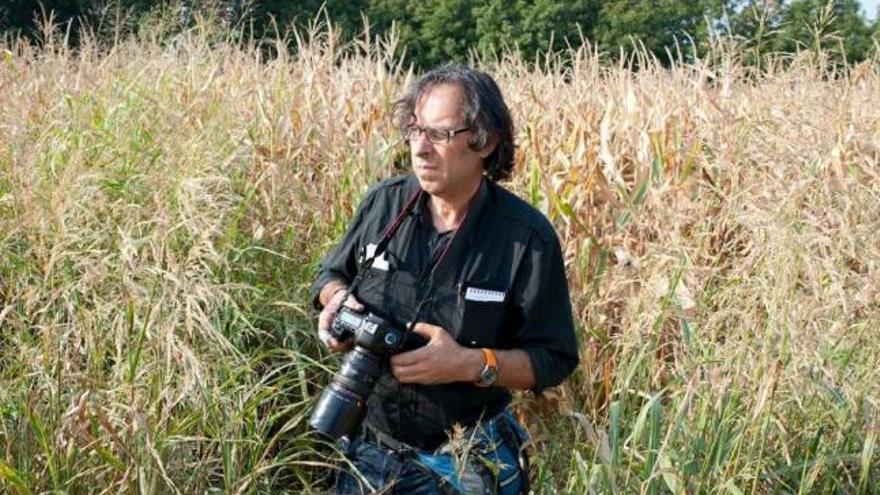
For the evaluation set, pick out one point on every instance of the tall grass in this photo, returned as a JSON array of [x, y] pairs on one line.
[[163, 202]]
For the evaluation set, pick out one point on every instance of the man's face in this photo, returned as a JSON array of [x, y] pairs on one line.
[[446, 170]]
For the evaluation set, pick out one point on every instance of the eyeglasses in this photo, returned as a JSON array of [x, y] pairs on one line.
[[436, 136]]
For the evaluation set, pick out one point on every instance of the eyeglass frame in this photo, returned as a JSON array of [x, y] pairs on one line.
[[450, 133]]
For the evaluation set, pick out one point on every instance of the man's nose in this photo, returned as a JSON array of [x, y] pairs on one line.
[[420, 144]]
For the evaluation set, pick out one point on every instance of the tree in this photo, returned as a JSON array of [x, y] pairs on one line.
[[449, 30], [534, 26], [834, 27], [23, 16], [100, 17], [431, 32], [269, 15], [658, 24]]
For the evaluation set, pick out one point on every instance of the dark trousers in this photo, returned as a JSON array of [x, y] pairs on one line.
[[388, 472], [386, 467]]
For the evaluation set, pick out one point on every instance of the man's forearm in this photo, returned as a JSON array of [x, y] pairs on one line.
[[514, 368]]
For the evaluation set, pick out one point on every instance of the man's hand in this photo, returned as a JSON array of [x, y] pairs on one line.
[[325, 319], [441, 360]]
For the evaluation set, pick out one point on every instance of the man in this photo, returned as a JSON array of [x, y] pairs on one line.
[[482, 269]]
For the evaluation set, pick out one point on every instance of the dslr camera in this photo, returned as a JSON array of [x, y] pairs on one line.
[[342, 405]]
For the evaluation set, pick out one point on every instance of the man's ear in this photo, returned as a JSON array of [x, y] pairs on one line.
[[491, 143]]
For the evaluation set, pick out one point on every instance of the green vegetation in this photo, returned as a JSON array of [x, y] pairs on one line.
[[435, 32], [164, 200]]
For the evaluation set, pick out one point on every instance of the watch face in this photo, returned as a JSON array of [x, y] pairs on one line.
[[488, 376]]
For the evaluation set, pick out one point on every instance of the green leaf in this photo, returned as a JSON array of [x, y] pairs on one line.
[[865, 460], [12, 477], [732, 488], [657, 167], [640, 193]]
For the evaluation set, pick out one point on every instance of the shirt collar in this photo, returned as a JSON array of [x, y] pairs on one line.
[[468, 227]]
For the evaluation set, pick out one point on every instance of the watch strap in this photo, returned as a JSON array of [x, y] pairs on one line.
[[491, 360], [489, 373]]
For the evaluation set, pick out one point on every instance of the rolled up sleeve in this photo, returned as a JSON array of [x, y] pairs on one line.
[[546, 333]]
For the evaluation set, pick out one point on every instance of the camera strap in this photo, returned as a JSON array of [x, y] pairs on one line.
[[434, 263]]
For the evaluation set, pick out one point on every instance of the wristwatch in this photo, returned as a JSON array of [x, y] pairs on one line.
[[489, 373]]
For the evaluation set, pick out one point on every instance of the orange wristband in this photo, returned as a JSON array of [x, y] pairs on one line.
[[491, 361]]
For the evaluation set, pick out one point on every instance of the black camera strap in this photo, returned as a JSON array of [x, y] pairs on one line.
[[434, 263]]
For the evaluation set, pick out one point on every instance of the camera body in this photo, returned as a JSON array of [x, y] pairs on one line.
[[370, 331], [342, 405]]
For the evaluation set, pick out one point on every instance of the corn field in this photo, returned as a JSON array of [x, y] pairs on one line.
[[164, 202]]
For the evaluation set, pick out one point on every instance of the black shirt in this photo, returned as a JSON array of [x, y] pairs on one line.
[[501, 284]]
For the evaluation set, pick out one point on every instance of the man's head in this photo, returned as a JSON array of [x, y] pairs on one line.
[[467, 102]]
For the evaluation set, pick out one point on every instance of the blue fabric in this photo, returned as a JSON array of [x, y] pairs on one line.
[[378, 468], [492, 467]]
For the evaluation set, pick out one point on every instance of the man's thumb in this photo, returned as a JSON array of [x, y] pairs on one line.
[[429, 331]]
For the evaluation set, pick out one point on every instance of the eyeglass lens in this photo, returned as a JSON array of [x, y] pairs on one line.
[[436, 136]]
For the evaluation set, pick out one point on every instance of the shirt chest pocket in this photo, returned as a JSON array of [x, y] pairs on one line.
[[482, 316], [377, 289]]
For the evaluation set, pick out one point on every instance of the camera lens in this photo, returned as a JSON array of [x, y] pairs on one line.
[[343, 403], [359, 371], [338, 412]]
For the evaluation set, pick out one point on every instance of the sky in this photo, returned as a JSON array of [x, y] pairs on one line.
[[870, 7]]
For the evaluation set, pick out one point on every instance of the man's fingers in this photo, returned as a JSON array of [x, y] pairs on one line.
[[408, 358], [324, 335], [429, 331], [337, 346], [324, 326], [324, 320], [335, 301], [415, 374], [354, 304], [407, 374], [332, 342]]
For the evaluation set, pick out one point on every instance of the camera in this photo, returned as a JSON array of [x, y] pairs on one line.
[[342, 405]]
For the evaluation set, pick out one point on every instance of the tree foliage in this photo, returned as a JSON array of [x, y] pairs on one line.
[[837, 28], [444, 30]]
